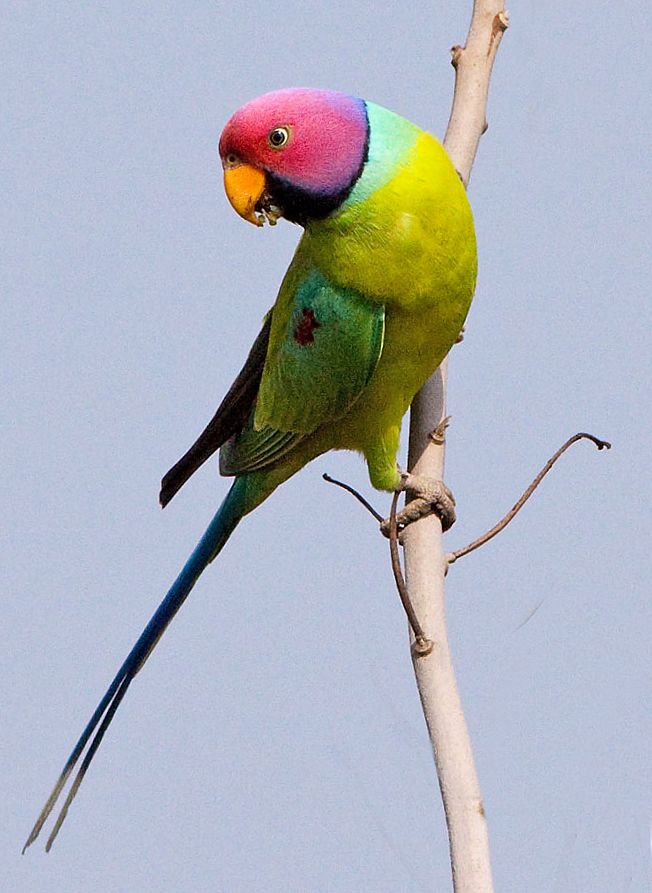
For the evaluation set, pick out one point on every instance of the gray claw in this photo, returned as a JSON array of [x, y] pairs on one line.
[[430, 496]]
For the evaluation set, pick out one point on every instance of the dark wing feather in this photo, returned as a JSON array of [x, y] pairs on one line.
[[231, 416]]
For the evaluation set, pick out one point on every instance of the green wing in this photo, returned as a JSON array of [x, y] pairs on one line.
[[324, 345]]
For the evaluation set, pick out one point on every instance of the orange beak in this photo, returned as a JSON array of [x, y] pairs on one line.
[[244, 185]]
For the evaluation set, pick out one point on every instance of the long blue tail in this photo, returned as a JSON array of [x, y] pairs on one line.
[[211, 543]]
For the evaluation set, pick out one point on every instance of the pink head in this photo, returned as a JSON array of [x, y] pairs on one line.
[[307, 148]]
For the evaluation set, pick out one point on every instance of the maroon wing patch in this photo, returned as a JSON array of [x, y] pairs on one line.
[[304, 331]]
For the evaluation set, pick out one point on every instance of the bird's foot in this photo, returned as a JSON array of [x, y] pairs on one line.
[[429, 496]]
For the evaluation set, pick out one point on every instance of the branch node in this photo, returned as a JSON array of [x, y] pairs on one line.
[[501, 22], [456, 54], [438, 436], [499, 25], [422, 647]]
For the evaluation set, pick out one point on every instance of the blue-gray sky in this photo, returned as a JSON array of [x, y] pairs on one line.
[[274, 740]]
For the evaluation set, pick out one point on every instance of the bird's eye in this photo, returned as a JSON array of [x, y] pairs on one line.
[[278, 137]]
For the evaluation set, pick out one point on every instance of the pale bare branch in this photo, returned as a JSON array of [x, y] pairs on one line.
[[424, 559]]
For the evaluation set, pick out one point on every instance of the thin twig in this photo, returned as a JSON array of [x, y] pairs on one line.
[[495, 530], [422, 645], [358, 496]]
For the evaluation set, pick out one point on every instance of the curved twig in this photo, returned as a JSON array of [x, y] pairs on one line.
[[422, 645], [451, 557], [358, 496]]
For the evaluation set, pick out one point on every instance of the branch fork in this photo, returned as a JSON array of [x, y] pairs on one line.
[[433, 497]]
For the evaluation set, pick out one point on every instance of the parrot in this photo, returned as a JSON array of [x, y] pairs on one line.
[[375, 296]]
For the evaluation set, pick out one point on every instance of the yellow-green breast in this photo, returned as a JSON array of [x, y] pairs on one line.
[[405, 237]]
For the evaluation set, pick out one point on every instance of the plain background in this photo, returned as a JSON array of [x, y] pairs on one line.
[[274, 741]]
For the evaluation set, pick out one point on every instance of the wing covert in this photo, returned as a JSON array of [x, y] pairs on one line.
[[325, 343]]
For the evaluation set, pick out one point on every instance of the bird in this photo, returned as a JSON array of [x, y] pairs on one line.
[[375, 296]]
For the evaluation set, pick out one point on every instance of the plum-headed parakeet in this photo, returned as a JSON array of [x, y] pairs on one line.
[[375, 296]]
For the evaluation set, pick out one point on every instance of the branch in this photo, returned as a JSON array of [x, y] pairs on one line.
[[422, 646], [424, 559], [452, 557], [349, 489]]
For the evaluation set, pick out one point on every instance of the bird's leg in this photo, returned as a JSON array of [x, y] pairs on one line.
[[428, 496]]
